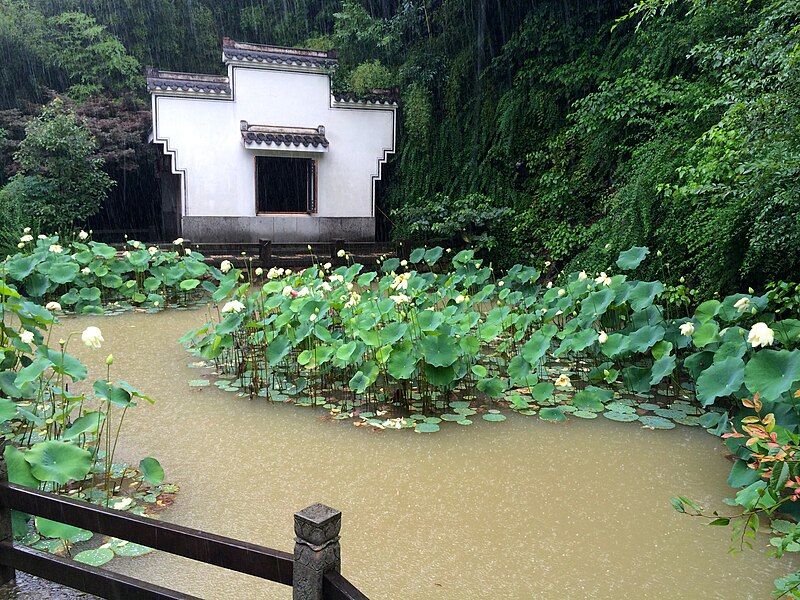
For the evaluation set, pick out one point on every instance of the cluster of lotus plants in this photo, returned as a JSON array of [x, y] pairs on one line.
[[60, 434], [420, 342], [88, 276]]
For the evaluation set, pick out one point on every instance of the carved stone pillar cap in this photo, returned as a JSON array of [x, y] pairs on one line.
[[317, 524]]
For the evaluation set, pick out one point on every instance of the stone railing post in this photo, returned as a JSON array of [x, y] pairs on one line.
[[316, 549], [6, 533]]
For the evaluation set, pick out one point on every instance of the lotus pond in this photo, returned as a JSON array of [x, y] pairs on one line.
[[424, 346], [518, 509]]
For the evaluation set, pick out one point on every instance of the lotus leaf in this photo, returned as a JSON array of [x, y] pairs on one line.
[[152, 471], [621, 416], [721, 379], [58, 461], [632, 258], [494, 417], [95, 558], [552, 414], [661, 368], [543, 391], [439, 350], [771, 373], [656, 422], [426, 428], [19, 471]]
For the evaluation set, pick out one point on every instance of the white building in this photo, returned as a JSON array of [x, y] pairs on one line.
[[267, 152]]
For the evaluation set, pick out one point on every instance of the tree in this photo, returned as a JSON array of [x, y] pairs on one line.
[[59, 183]]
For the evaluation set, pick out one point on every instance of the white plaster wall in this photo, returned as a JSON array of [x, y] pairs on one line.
[[219, 177]]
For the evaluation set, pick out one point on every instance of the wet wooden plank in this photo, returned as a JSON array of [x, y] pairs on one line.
[[210, 548], [85, 578], [336, 587]]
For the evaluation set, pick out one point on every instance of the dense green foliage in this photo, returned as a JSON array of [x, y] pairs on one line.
[[58, 183], [669, 123]]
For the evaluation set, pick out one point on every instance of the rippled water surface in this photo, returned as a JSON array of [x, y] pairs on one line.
[[518, 509]]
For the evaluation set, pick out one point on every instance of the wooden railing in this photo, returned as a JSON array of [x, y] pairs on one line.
[[313, 570]]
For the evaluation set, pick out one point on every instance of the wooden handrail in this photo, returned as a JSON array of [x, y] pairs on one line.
[[210, 548]]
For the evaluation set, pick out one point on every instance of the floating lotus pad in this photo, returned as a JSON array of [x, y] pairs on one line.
[[649, 406], [584, 414], [494, 417], [619, 407], [656, 422], [552, 414], [669, 413], [426, 428], [620, 416]]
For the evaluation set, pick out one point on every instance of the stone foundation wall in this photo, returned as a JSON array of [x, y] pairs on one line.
[[279, 229]]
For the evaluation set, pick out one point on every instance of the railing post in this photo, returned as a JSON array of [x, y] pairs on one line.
[[316, 549], [6, 533], [264, 250]]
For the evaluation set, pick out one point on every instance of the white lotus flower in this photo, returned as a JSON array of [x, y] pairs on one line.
[[336, 278], [326, 266], [288, 272], [20, 245], [460, 298], [355, 298], [126, 254], [687, 328], [287, 291], [83, 235], [549, 285], [86, 270], [26, 238], [325, 286], [312, 317], [259, 271], [340, 253], [56, 249], [187, 251], [760, 335], [26, 230], [400, 298], [603, 278], [304, 291], [582, 276], [233, 306], [742, 304], [92, 337], [178, 242], [26, 336], [404, 263], [41, 236], [603, 337], [137, 244], [51, 306], [563, 381], [152, 250], [562, 291], [226, 266], [501, 283], [400, 282], [273, 273]]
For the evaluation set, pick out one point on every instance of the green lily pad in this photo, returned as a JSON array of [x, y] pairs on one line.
[[585, 414], [464, 422], [494, 417], [552, 414], [669, 413], [620, 416], [131, 549], [688, 420], [199, 383], [426, 428], [459, 404], [58, 461], [95, 558], [649, 406], [656, 422], [451, 417], [620, 407]]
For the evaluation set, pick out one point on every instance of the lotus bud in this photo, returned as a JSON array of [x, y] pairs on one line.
[[110, 360]]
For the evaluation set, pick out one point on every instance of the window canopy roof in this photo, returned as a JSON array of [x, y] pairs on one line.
[[269, 137]]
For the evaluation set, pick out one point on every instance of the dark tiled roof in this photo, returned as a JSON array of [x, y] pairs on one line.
[[171, 81], [277, 55], [390, 96], [284, 136]]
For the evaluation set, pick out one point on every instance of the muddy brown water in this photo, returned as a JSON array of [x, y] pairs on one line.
[[518, 509]]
